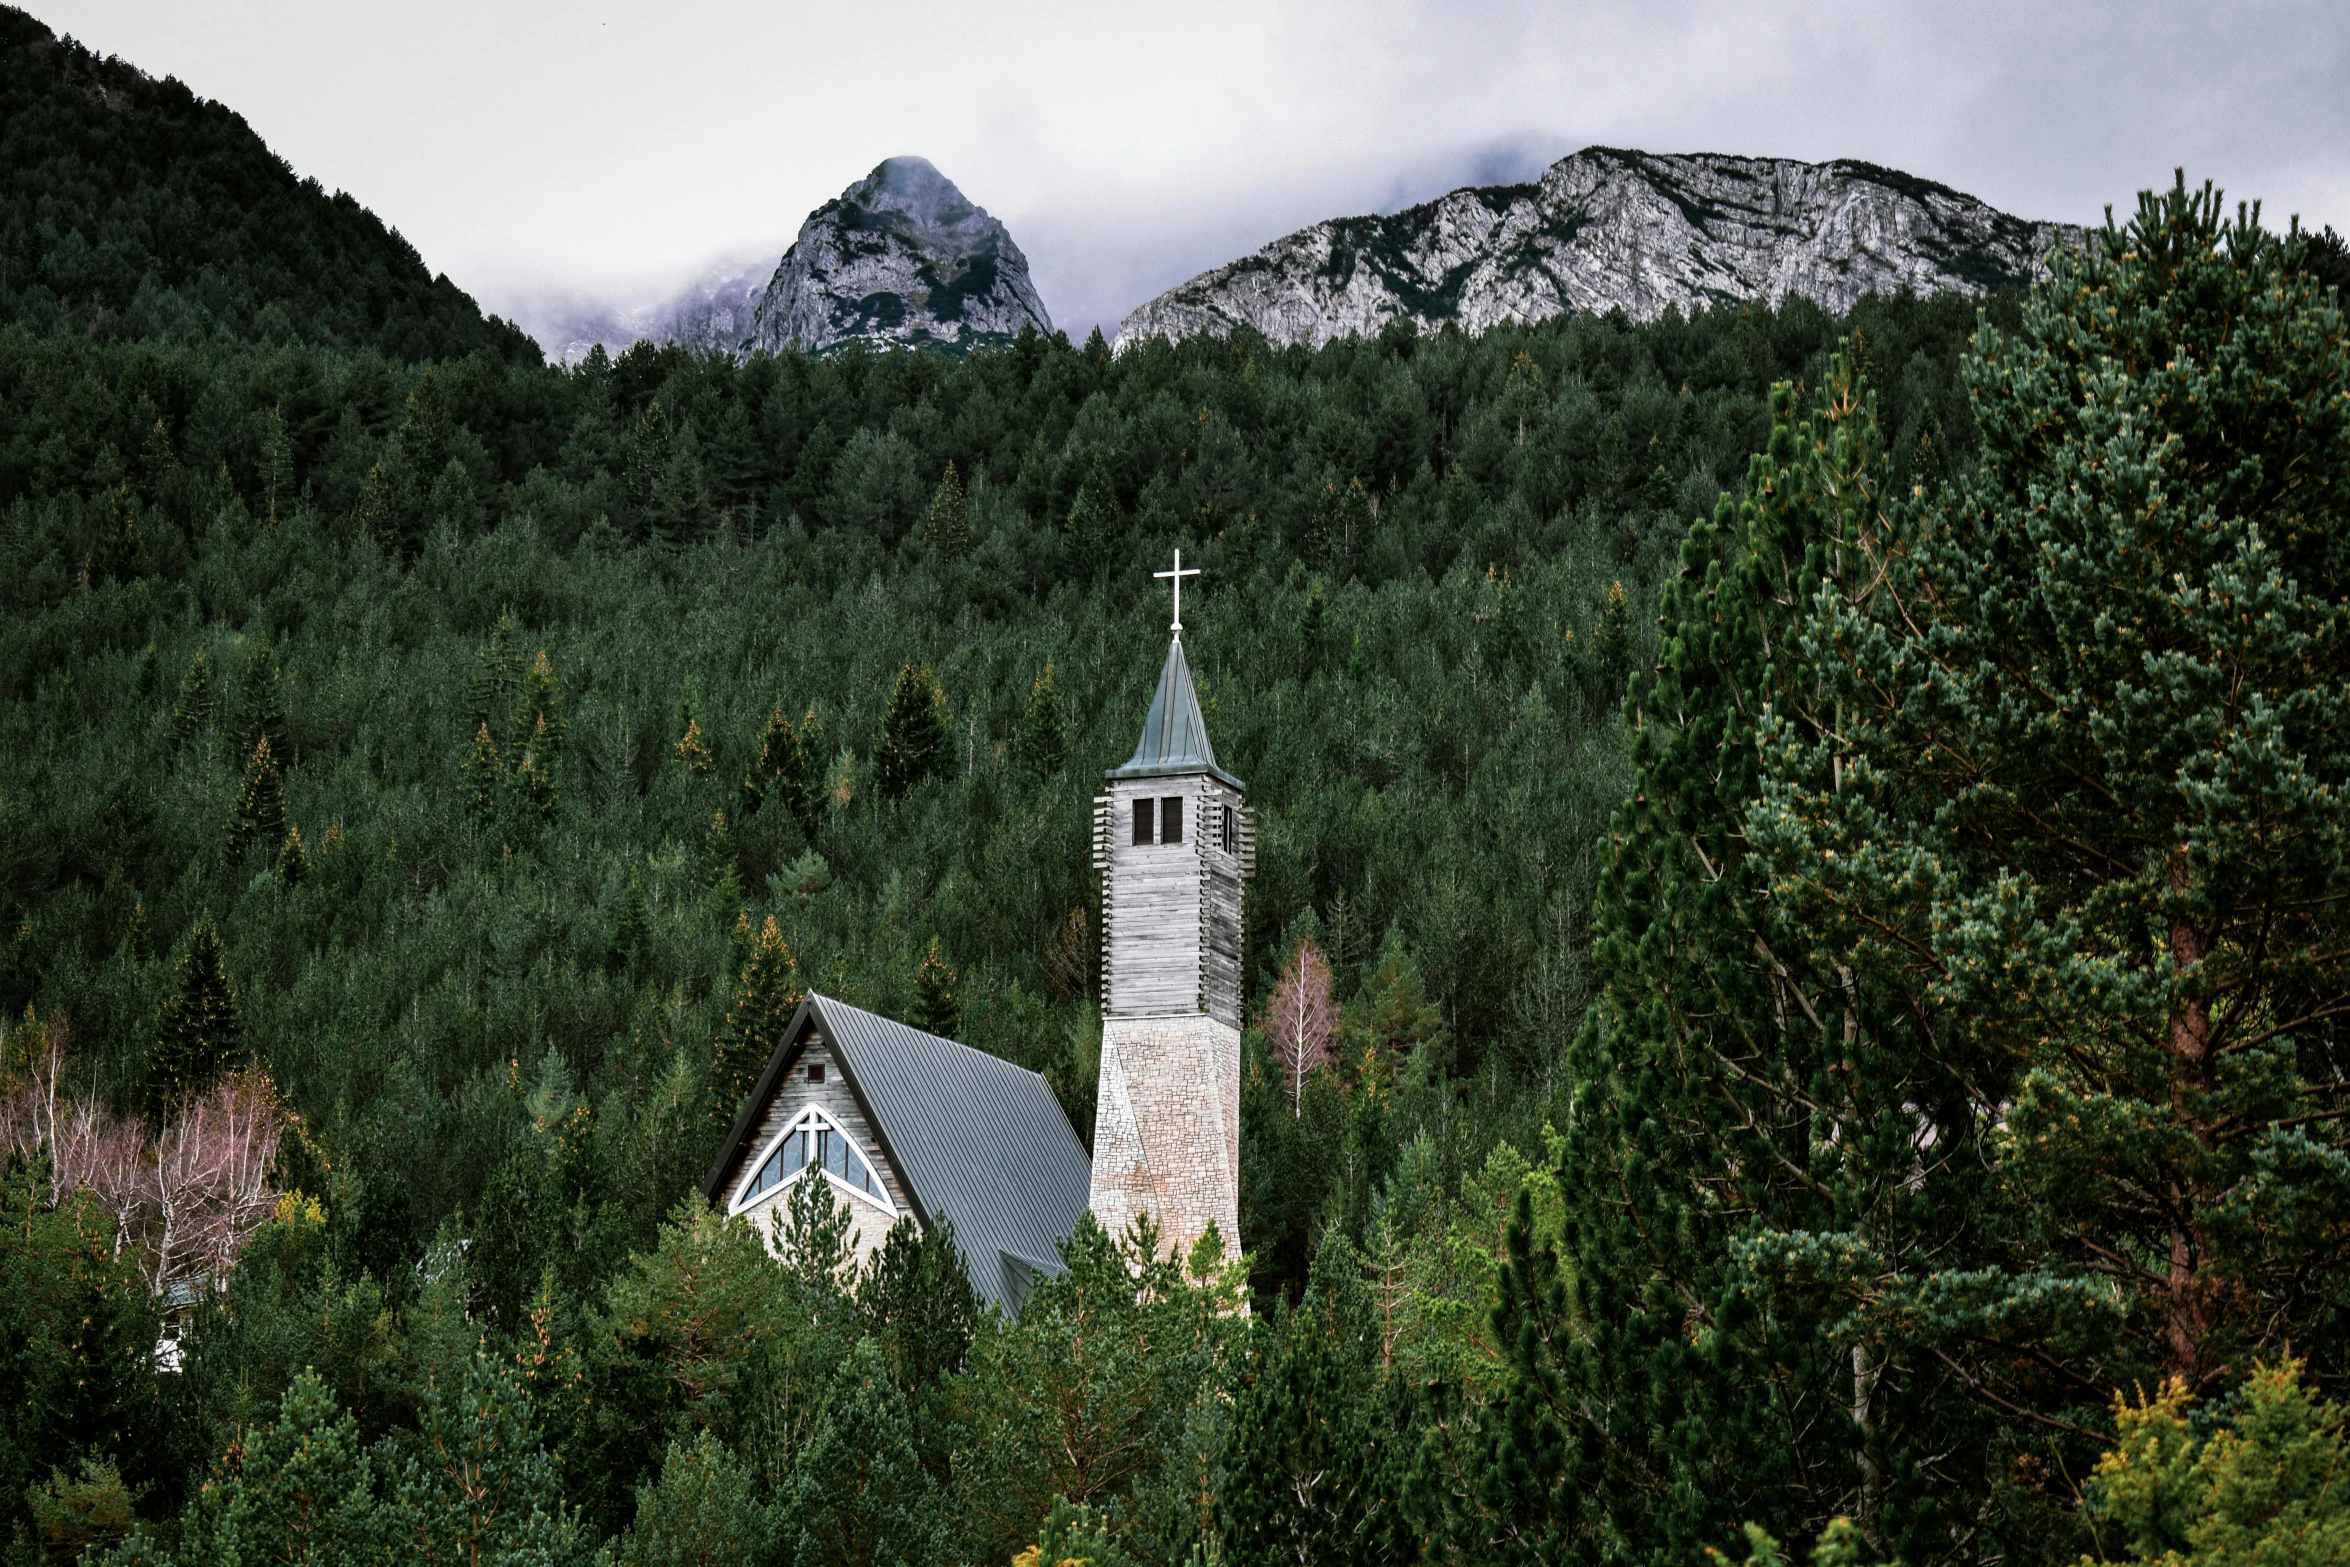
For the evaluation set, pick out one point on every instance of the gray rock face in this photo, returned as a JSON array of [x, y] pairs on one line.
[[1604, 229], [901, 258]]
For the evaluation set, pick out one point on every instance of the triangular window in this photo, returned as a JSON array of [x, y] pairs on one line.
[[814, 1140]]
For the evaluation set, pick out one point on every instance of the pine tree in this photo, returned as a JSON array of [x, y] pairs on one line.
[[1393, 1012], [277, 465], [485, 778], [1043, 742], [936, 1010], [916, 1302], [789, 769], [766, 993], [490, 691], [197, 1035], [196, 708], [2269, 1485], [632, 923], [261, 699], [293, 861], [859, 1493], [1093, 521], [913, 732], [376, 513], [948, 530], [538, 711], [477, 1485], [768, 766], [694, 751], [300, 1489], [2068, 834], [1305, 1441], [1714, 1064], [805, 780], [704, 1511], [261, 803], [1611, 644], [645, 469]]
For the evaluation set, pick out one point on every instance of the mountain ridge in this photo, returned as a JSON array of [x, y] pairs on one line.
[[1612, 228]]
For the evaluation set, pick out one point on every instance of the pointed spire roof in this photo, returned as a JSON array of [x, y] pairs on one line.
[[1174, 735]]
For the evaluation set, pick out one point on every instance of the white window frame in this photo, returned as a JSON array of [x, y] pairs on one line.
[[812, 1117]]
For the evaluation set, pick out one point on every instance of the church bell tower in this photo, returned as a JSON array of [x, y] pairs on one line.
[[1173, 841]]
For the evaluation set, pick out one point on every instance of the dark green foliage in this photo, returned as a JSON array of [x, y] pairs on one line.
[[1308, 1433], [916, 1302], [860, 1496], [765, 995], [496, 977], [935, 1008], [194, 711], [261, 804], [2086, 866], [704, 1512], [302, 1489], [790, 769], [198, 1034], [1098, 1394], [473, 1483], [948, 529], [1043, 742], [75, 1333], [1093, 519], [136, 209], [913, 733]]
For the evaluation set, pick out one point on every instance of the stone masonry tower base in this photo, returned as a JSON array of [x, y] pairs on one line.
[[1166, 1131]]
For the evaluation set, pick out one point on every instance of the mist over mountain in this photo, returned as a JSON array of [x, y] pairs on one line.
[[1605, 229]]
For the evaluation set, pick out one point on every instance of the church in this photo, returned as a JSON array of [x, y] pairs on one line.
[[901, 1122]]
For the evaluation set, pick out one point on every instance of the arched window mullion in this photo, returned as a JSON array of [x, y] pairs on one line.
[[813, 1138]]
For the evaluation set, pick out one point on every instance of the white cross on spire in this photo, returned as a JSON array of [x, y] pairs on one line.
[[1177, 576]]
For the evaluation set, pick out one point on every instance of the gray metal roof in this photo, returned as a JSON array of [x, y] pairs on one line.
[[977, 1141], [1174, 735]]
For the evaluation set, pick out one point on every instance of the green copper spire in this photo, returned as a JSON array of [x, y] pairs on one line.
[[1174, 736]]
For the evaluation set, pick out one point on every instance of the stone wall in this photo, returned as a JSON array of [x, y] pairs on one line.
[[1166, 1137]]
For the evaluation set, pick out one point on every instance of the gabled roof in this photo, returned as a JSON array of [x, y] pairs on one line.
[[975, 1140], [1174, 736]]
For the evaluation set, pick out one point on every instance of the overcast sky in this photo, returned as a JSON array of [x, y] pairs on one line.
[[610, 149]]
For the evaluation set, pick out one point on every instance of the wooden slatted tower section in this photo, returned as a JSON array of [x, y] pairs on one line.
[[1173, 841]]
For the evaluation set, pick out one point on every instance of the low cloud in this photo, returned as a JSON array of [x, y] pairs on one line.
[[543, 147]]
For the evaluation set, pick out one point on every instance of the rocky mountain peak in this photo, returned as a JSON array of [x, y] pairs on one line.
[[900, 258], [1607, 229]]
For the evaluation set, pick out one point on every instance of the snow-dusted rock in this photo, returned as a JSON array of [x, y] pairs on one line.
[[901, 258], [1604, 229]]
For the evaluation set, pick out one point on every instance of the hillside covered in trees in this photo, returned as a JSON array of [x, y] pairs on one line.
[[1794, 1061], [131, 208]]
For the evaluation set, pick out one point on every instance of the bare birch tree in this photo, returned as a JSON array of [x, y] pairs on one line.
[[1301, 1019]]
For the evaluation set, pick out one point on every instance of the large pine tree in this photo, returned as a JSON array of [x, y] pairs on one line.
[[197, 1035], [2080, 822], [913, 732]]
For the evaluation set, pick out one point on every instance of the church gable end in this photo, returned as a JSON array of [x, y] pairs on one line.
[[812, 1099], [946, 1133]]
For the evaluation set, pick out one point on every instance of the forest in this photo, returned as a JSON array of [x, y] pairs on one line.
[[1822, 842]]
